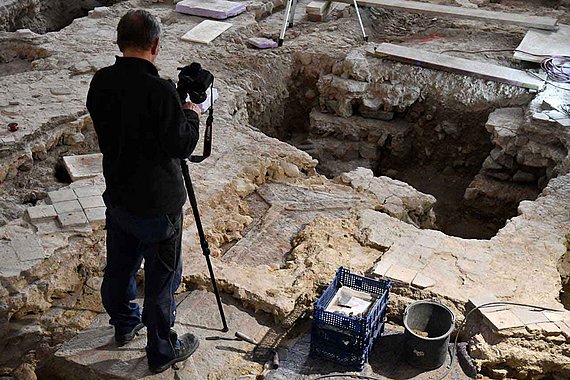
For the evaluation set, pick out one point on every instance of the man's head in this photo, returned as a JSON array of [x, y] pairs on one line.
[[138, 33]]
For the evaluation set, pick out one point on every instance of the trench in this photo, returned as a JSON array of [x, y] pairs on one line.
[[427, 144], [43, 16]]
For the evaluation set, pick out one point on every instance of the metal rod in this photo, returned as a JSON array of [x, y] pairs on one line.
[[360, 21], [203, 241], [285, 21]]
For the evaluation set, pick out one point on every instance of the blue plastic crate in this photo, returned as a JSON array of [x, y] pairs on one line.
[[343, 339]]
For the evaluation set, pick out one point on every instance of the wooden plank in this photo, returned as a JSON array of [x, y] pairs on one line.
[[542, 44], [448, 63], [206, 31], [546, 23]]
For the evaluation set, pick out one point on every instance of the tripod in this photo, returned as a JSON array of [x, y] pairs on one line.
[[194, 204]]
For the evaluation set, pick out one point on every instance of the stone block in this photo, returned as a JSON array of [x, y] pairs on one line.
[[61, 196], [87, 191], [503, 319], [68, 206], [401, 274], [262, 43], [422, 281], [41, 213], [96, 215], [83, 166], [549, 328], [28, 247], [382, 267], [529, 317], [92, 202], [217, 9], [72, 219]]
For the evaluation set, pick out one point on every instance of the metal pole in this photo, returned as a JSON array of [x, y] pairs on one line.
[[285, 21], [360, 21], [292, 14], [203, 241]]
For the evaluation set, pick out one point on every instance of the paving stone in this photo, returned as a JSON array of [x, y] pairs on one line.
[[549, 328], [218, 9], [11, 264], [557, 317], [28, 247], [41, 213], [87, 191], [92, 202], [564, 328], [401, 273], [72, 219], [564, 122], [206, 31], [83, 166], [8, 140], [529, 317], [61, 196], [96, 215], [382, 267], [68, 206], [503, 319], [422, 281]]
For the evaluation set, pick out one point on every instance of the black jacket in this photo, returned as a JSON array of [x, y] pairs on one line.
[[143, 132]]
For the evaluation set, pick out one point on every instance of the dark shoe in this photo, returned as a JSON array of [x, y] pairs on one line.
[[188, 344], [122, 337]]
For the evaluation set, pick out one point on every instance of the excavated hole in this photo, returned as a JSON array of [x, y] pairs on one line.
[[440, 154], [49, 15]]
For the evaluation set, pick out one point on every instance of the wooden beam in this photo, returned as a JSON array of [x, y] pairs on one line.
[[448, 63], [546, 23]]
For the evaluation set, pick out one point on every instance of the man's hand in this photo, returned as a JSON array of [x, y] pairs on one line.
[[193, 107]]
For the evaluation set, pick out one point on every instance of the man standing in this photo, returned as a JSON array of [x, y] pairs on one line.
[[143, 130]]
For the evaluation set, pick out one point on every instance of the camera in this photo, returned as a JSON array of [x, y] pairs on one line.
[[194, 81]]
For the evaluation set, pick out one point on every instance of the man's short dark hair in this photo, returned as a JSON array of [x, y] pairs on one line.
[[137, 29]]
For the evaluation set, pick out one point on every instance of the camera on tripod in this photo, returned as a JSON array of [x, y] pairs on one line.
[[194, 82]]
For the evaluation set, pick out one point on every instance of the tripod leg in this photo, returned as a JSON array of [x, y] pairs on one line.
[[203, 241], [360, 21], [292, 14], [285, 21]]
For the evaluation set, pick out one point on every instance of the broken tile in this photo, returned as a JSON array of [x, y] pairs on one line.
[[83, 166], [529, 317], [382, 267], [72, 219], [503, 319], [218, 9], [422, 281], [262, 43], [41, 213], [61, 196], [402, 274], [68, 206], [92, 202], [87, 191], [549, 328], [206, 31]]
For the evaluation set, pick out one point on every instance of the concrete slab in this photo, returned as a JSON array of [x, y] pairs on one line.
[[68, 206], [206, 31], [538, 44], [61, 196], [41, 213], [94, 355], [218, 9], [83, 166], [92, 202]]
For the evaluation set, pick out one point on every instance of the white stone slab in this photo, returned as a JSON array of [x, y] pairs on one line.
[[206, 31], [83, 166], [218, 9], [92, 202], [61, 196], [72, 219], [542, 43], [87, 191], [41, 213], [68, 206]]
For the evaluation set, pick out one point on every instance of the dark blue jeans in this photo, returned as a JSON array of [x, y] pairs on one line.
[[157, 240]]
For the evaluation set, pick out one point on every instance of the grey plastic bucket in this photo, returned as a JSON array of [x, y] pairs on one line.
[[428, 326]]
